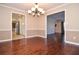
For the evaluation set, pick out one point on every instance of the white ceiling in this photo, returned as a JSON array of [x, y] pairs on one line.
[[27, 6]]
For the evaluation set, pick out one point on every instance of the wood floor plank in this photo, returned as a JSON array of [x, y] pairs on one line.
[[36, 46]]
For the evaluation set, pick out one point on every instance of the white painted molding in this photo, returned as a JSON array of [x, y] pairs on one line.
[[58, 9], [10, 39], [5, 40], [35, 36], [45, 26], [12, 8], [69, 42], [62, 5], [72, 29], [26, 11], [74, 43]]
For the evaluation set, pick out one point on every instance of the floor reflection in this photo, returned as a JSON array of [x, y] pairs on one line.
[[55, 43], [37, 46]]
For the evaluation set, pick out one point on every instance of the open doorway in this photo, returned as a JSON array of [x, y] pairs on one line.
[[18, 26], [59, 27], [55, 25]]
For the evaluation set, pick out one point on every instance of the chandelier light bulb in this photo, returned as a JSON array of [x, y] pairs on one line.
[[33, 9], [29, 11], [36, 10], [38, 14], [43, 12]]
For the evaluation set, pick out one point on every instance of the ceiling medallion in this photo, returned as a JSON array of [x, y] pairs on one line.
[[36, 11]]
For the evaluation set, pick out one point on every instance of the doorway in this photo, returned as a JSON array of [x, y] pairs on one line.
[[18, 26], [59, 27], [55, 24]]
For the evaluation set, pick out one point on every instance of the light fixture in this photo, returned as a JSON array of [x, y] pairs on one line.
[[36, 11]]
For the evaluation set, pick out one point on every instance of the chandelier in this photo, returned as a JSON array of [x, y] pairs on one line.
[[36, 11]]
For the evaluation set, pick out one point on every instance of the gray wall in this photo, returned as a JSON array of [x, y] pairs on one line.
[[50, 25], [51, 19]]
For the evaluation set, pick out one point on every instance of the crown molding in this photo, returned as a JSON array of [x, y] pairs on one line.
[[62, 5], [12, 8], [26, 11]]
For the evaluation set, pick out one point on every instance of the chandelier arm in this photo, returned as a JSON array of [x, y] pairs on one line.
[[36, 11]]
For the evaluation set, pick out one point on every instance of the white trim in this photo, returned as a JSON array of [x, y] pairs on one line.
[[26, 25], [10, 39], [35, 36], [5, 40], [57, 11], [52, 9], [46, 26], [71, 42], [22, 37], [46, 29], [12, 8], [66, 41], [11, 26], [72, 29]]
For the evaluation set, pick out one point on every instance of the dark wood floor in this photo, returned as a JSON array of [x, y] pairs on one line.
[[53, 45]]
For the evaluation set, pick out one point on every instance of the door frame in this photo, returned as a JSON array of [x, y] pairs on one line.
[[11, 24], [63, 21]]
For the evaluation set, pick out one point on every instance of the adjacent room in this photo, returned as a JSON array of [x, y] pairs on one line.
[[18, 26], [55, 23], [39, 29]]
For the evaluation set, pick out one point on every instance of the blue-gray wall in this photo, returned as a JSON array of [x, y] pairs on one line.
[[51, 19]]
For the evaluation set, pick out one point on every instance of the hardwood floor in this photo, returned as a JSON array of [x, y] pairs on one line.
[[38, 46]]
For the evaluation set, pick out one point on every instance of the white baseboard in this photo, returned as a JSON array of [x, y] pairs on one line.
[[36, 36], [24, 37], [6, 40], [9, 40], [71, 42]]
